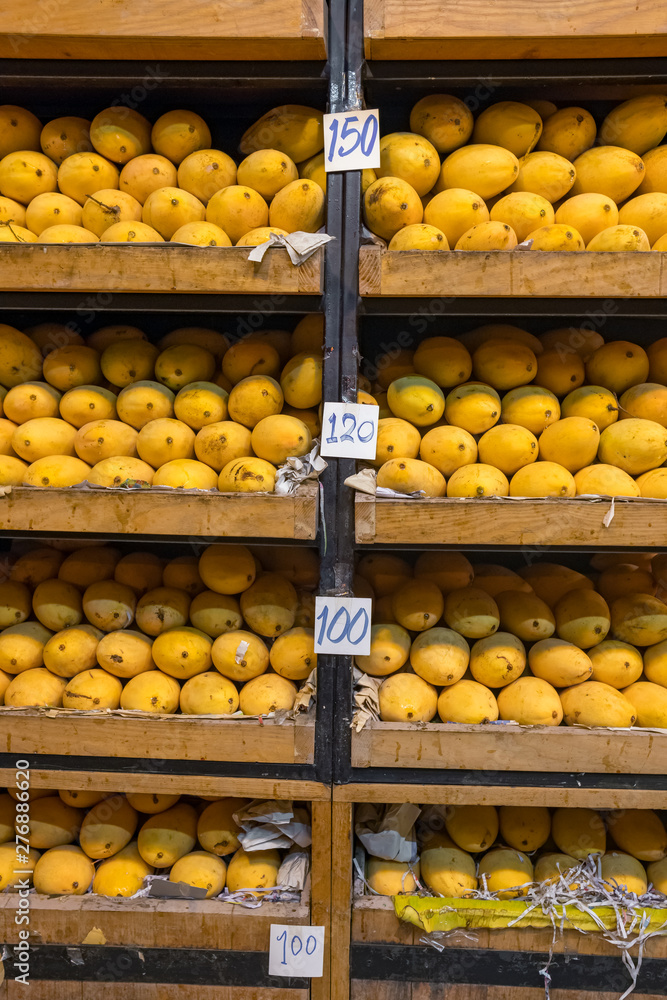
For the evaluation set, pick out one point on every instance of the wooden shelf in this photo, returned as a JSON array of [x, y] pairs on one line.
[[163, 738], [500, 521], [166, 29], [153, 512], [504, 273], [475, 29], [549, 796], [509, 747], [136, 267]]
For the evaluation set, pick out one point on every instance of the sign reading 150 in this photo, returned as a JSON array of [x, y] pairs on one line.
[[352, 140]]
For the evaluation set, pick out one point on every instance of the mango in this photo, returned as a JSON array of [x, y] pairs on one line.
[[182, 652], [123, 874], [638, 124], [477, 480], [19, 129], [293, 655], [237, 209], [407, 698], [513, 126], [497, 660], [525, 615], [634, 445], [640, 832], [544, 173], [167, 836], [15, 603], [254, 870], [92, 690], [406, 475], [657, 876], [12, 877], [467, 702], [609, 170], [620, 238], [249, 475], [523, 212], [266, 694], [131, 232], [391, 878], [151, 691], [145, 174], [301, 381], [488, 236], [543, 479], [201, 234], [125, 653], [596, 704], [13, 211], [206, 171], [240, 655], [578, 832], [418, 605], [85, 403], [556, 237], [471, 612], [209, 694], [52, 209], [508, 447], [35, 687], [419, 237], [485, 168], [200, 869], [44, 437], [162, 608], [494, 578], [620, 871], [108, 827], [525, 828], [440, 656], [57, 605], [531, 407], [390, 649], [184, 473], [569, 132], [617, 664], [582, 618], [293, 129], [445, 448], [655, 162], [649, 702], [176, 134], [390, 204], [63, 871], [551, 581], [183, 573], [560, 372], [52, 823], [552, 868], [448, 871], [444, 120], [83, 174], [508, 873], [530, 701], [473, 407], [22, 647], [71, 650], [116, 471], [454, 212], [560, 663]]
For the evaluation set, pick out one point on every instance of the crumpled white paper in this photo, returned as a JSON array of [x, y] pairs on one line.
[[266, 825], [365, 481], [297, 470], [388, 831], [300, 246]]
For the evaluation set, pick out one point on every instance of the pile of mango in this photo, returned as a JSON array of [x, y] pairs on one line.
[[192, 412], [540, 646], [499, 411], [211, 635], [509, 849], [523, 171], [121, 179], [86, 841]]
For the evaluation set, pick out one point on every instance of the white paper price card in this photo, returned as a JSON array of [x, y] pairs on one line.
[[296, 951], [351, 140], [349, 430], [343, 625]]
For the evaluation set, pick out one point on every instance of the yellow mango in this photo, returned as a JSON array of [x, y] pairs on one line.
[[487, 169], [618, 664], [571, 442], [92, 690], [206, 171], [200, 869], [513, 126], [266, 694], [31, 401], [477, 480], [551, 581], [531, 407], [605, 480], [182, 652], [167, 836], [508, 447], [560, 663], [390, 649], [556, 237], [123, 874], [657, 876], [578, 832], [44, 437], [15, 603], [419, 237], [593, 402], [19, 129], [407, 698], [547, 174], [176, 134], [468, 703], [525, 615], [440, 656], [444, 120], [125, 653], [35, 687], [298, 207], [71, 650], [525, 828], [240, 655], [523, 212], [397, 437], [411, 157], [406, 475], [596, 704], [108, 827], [84, 403], [131, 232], [494, 578], [471, 612], [488, 236], [269, 605], [473, 406], [640, 832], [390, 204], [162, 608], [638, 124], [249, 475], [293, 655], [506, 872], [445, 448], [655, 171], [384, 571], [22, 647], [569, 132], [12, 211], [620, 238], [109, 605], [560, 372], [83, 174], [63, 871], [52, 823], [120, 134], [151, 691], [417, 605], [416, 399], [497, 660], [649, 703], [57, 604], [293, 129], [217, 830], [145, 174], [301, 381], [237, 209], [472, 828], [543, 479], [609, 170], [618, 365], [634, 445], [11, 877], [448, 871], [623, 872], [254, 870], [553, 867], [209, 694], [454, 212], [504, 364], [647, 400]]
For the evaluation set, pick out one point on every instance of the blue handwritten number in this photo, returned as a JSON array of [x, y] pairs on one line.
[[364, 438], [360, 616], [300, 943], [283, 937], [366, 142], [333, 439], [361, 612], [333, 127], [314, 940], [347, 417], [346, 131]]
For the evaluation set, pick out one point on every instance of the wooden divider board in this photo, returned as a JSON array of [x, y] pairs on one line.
[[509, 522], [504, 273], [152, 512], [137, 267], [379, 990], [491, 748], [552, 796], [68, 990], [551, 29], [159, 740], [165, 29]]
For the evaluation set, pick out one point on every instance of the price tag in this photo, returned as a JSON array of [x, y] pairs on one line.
[[349, 430], [343, 625], [296, 951], [351, 140]]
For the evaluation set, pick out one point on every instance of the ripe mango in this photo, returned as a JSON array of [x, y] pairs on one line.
[[513, 126], [406, 475], [623, 872], [301, 381], [487, 169], [35, 687], [151, 691], [596, 704], [123, 874], [63, 871], [256, 870], [167, 836], [508, 447], [609, 170], [418, 605], [525, 828], [506, 872], [108, 827], [649, 702], [145, 174], [523, 212], [655, 175], [22, 647], [266, 694], [201, 403], [468, 703], [634, 445], [444, 120], [407, 698], [454, 212], [530, 701], [176, 134], [471, 612], [578, 832], [71, 650], [297, 207], [638, 124], [547, 174], [237, 209], [640, 832], [209, 694], [390, 204], [605, 480], [240, 655], [410, 157], [531, 407], [618, 664], [83, 174], [249, 475], [488, 236], [620, 238], [497, 660], [206, 171], [440, 656], [162, 608], [220, 443], [560, 663], [419, 237], [477, 480], [472, 828], [390, 649], [569, 132]]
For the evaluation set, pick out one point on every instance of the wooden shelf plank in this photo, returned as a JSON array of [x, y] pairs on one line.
[[137, 267], [164, 738], [509, 748], [172, 784], [510, 522], [166, 29], [152, 512], [550, 796], [504, 273], [474, 29]]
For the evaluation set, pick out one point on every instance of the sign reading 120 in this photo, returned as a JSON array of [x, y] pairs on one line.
[[351, 141]]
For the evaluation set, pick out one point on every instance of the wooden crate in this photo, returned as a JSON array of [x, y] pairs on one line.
[[136, 267], [507, 273], [475, 29], [509, 747], [640, 523], [476, 964], [165, 29], [152, 512], [158, 739], [102, 932]]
